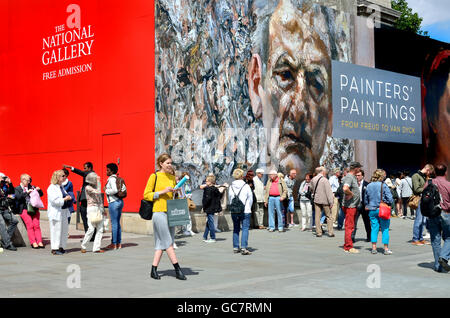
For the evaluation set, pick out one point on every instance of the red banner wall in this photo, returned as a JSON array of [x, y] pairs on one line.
[[102, 114]]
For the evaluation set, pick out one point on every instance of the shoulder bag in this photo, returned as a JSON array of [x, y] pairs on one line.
[[95, 215], [30, 209], [385, 210], [413, 200], [146, 208]]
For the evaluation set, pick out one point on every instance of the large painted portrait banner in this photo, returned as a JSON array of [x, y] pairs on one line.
[[248, 84]]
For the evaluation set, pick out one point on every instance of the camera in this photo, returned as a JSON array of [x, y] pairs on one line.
[[8, 204]]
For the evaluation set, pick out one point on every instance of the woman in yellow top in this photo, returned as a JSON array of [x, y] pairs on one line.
[[164, 188]]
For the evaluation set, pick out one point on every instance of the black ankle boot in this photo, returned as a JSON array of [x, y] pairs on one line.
[[154, 273], [178, 272]]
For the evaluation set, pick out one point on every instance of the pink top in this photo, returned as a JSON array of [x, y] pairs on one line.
[[444, 189], [274, 188], [94, 197]]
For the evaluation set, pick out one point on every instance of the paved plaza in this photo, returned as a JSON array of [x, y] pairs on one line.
[[290, 264]]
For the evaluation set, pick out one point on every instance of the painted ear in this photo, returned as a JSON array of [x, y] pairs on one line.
[[254, 81]]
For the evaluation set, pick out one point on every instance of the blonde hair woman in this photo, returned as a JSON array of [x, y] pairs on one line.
[[376, 192], [31, 220], [159, 189], [243, 192], [94, 206], [58, 213]]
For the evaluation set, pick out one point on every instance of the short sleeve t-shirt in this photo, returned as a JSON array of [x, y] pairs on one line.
[[352, 183], [290, 185]]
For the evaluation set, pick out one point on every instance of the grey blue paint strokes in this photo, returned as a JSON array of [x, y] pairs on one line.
[[203, 112]]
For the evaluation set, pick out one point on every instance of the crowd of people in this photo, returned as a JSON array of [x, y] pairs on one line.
[[24, 200], [336, 201], [326, 201]]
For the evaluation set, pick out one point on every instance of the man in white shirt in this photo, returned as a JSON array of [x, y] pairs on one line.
[[406, 193], [334, 182], [259, 193]]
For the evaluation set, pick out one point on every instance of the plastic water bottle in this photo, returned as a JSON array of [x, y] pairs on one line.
[[181, 182]]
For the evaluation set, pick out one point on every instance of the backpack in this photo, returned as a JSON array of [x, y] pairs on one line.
[[121, 187], [236, 205], [430, 201]]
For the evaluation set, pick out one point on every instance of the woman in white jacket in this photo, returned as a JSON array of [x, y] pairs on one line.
[[58, 213], [243, 191]]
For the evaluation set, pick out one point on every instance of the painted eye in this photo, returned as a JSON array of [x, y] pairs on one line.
[[316, 85], [286, 75], [285, 78]]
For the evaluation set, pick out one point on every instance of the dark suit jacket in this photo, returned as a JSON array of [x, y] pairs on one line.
[[69, 189], [83, 187], [21, 196], [363, 193]]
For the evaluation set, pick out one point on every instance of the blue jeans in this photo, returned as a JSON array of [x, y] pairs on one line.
[[440, 228], [341, 219], [238, 220], [275, 203], [419, 222], [289, 209], [376, 222], [209, 228], [115, 212], [7, 232]]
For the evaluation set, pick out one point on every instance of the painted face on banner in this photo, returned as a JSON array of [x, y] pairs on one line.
[[443, 125], [295, 91]]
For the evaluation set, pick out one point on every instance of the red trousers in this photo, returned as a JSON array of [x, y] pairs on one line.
[[349, 226], [33, 226]]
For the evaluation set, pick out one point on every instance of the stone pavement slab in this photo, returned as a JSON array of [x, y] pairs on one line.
[[290, 264]]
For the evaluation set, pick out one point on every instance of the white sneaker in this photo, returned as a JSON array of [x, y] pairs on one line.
[[192, 233], [210, 241], [175, 245], [1, 250], [218, 231], [427, 236], [186, 233]]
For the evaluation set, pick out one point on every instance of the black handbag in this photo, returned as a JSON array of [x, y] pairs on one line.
[[30, 209], [146, 208]]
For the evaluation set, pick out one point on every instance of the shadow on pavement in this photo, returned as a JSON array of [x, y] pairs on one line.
[[73, 250], [171, 272], [429, 265], [129, 245]]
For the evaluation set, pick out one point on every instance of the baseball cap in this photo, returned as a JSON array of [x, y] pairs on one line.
[[259, 170]]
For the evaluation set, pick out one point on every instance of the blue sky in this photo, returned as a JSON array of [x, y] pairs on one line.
[[436, 17]]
